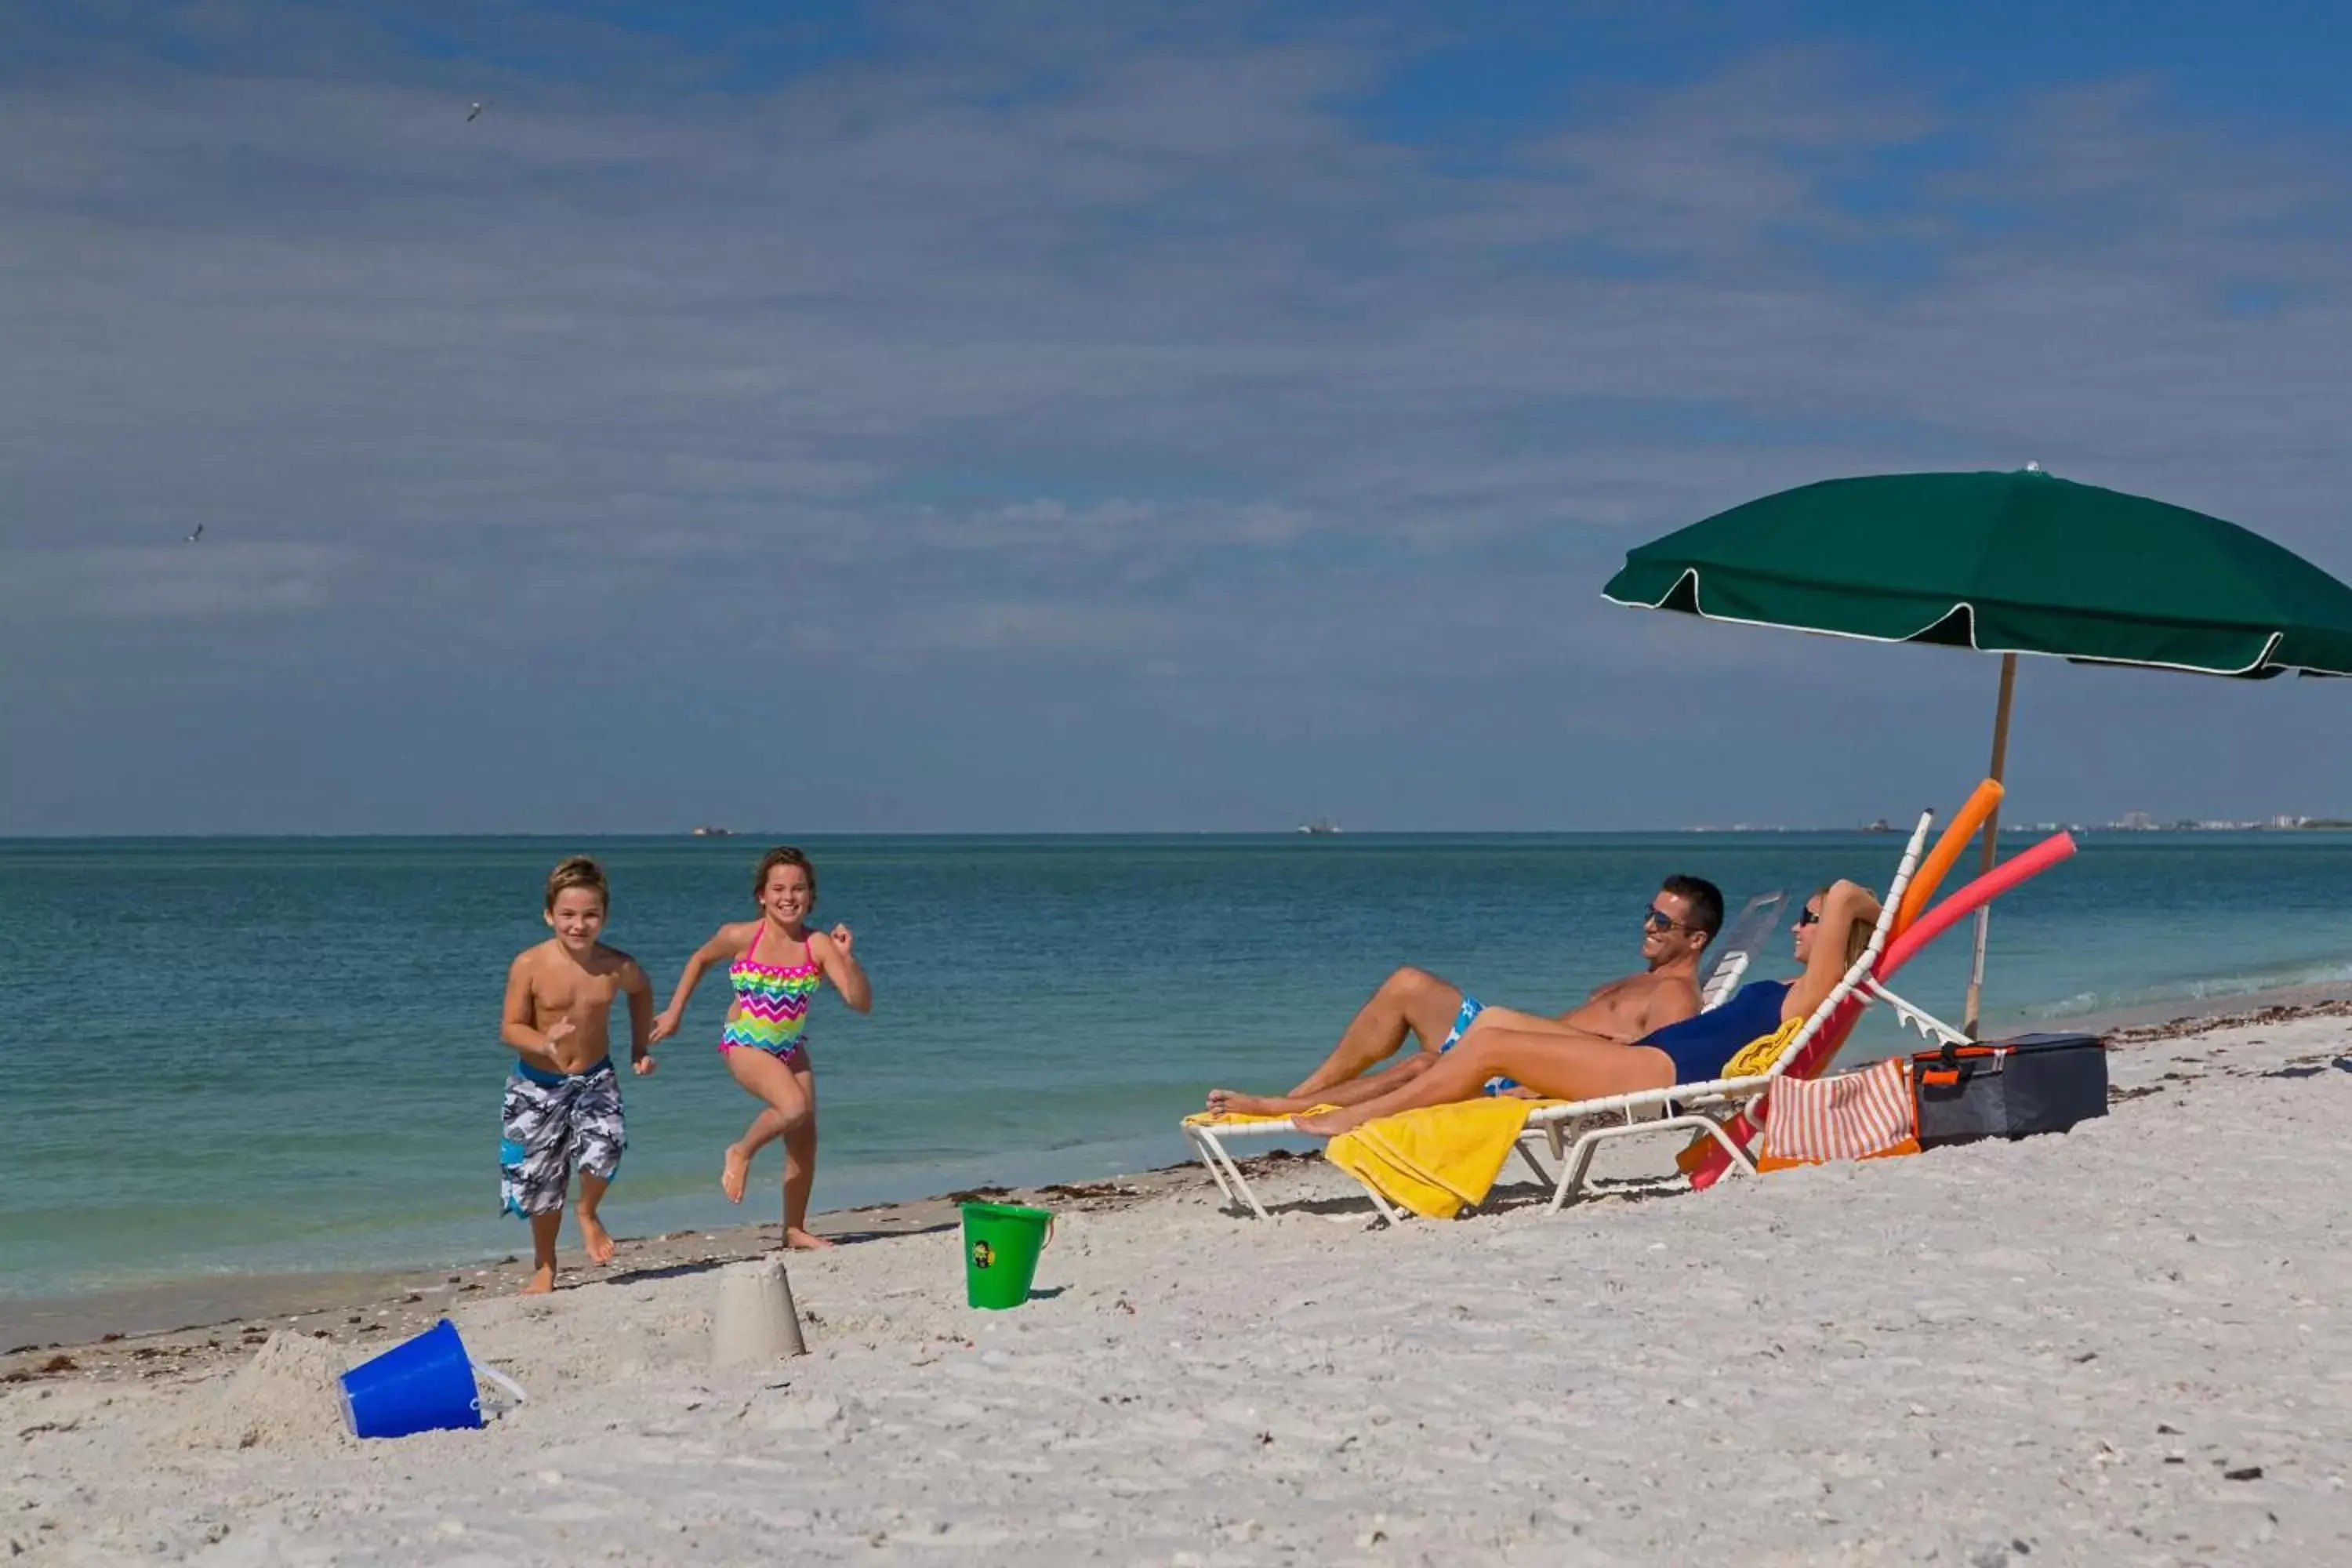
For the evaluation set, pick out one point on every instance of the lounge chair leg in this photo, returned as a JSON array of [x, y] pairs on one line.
[[1571, 1176], [1730, 1145], [1201, 1153], [1249, 1194], [1543, 1177], [1381, 1204], [1572, 1172], [1224, 1167]]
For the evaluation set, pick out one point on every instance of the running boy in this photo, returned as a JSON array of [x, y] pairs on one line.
[[562, 1107]]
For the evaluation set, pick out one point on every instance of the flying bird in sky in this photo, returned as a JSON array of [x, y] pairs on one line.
[[198, 534], [476, 112]]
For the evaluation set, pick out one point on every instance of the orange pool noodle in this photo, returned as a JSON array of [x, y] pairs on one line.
[[1955, 839]]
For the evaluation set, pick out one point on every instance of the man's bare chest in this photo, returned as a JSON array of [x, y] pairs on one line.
[[1629, 995]]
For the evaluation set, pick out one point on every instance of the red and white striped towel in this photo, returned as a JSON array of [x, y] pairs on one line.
[[1849, 1116]]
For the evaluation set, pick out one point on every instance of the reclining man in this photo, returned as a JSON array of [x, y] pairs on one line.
[[1681, 920]]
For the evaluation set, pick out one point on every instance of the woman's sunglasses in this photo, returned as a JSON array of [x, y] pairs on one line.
[[1810, 918]]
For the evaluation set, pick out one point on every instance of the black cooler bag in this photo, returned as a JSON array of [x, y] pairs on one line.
[[2009, 1088]]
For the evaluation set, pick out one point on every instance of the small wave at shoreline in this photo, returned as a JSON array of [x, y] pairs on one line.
[[2195, 989]]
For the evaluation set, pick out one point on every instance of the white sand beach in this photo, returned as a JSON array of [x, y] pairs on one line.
[[2124, 1346]]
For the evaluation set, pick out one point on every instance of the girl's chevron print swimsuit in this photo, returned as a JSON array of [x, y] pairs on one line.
[[770, 1011]]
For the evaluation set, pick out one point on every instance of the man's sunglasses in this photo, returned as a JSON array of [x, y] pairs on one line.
[[1655, 918]]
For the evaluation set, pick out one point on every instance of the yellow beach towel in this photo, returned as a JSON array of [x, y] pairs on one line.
[[1759, 1055], [1438, 1160], [1243, 1119]]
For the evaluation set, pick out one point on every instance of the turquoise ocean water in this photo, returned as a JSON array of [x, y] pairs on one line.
[[266, 1055]]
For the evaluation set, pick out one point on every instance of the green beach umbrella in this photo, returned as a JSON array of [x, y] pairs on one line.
[[2009, 563]]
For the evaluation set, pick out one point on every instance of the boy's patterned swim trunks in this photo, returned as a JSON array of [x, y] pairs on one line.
[[553, 1124]]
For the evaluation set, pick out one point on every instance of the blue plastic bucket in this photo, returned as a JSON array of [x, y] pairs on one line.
[[426, 1384]]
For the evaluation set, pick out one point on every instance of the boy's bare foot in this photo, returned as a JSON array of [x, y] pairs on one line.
[[596, 1238], [542, 1282], [800, 1240], [1232, 1102], [734, 1174]]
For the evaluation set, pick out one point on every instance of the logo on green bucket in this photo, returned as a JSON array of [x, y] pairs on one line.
[[982, 1255]]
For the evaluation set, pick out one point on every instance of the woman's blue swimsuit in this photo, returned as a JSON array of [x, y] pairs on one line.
[[1704, 1044]]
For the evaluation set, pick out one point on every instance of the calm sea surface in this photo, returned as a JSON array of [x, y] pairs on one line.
[[225, 1055]]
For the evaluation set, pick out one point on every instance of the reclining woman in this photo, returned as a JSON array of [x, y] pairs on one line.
[[1558, 1063]]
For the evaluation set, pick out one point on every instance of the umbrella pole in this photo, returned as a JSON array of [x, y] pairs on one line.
[[1991, 838]]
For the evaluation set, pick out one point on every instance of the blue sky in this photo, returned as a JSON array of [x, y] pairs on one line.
[[1040, 417]]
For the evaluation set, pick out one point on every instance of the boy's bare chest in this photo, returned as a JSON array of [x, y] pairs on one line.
[[575, 992]]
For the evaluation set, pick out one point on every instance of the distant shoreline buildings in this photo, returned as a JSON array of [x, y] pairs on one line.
[[2285, 822], [2129, 822]]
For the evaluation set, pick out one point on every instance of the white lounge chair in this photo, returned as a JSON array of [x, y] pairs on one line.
[[1703, 1107], [1755, 923]]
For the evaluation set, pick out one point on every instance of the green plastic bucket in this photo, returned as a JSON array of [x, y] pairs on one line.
[[1001, 1244]]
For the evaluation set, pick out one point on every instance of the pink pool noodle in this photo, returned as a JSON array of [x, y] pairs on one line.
[[1965, 902]]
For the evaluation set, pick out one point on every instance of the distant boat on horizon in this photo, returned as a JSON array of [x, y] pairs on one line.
[[1321, 825], [714, 833]]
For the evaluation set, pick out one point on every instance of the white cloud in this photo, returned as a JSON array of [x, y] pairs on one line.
[[1087, 342], [198, 581]]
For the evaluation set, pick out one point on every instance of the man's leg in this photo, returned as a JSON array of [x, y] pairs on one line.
[[1410, 1000], [1493, 1018]]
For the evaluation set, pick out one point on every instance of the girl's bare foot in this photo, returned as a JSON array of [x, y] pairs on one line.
[[800, 1240], [542, 1282], [596, 1238], [735, 1172]]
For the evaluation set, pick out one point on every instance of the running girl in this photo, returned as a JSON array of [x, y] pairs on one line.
[[775, 964]]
